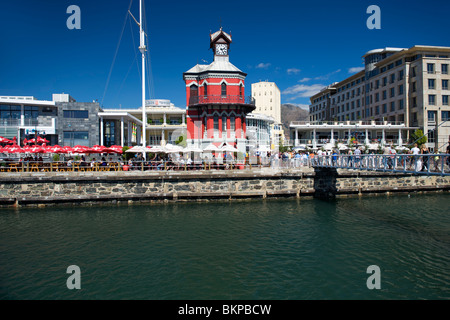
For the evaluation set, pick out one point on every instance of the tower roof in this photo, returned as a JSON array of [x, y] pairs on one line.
[[219, 34], [215, 66]]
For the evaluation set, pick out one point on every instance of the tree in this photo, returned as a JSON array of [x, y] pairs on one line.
[[418, 137], [126, 156]]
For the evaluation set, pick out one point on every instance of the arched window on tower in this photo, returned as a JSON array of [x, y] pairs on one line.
[[241, 93], [224, 89], [205, 89], [193, 95]]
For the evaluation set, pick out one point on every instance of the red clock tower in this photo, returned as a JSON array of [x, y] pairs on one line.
[[215, 99]]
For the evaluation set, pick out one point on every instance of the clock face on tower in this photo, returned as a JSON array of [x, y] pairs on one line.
[[221, 49]]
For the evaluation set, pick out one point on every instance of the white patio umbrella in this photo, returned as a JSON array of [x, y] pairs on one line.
[[170, 148], [373, 146], [192, 149], [211, 147], [228, 148], [155, 149], [137, 149], [328, 146], [343, 147]]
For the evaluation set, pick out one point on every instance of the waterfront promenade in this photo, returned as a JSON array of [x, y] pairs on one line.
[[126, 187]]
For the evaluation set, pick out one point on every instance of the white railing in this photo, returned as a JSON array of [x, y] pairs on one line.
[[429, 164]]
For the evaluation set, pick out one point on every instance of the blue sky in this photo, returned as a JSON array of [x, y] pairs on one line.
[[300, 45]]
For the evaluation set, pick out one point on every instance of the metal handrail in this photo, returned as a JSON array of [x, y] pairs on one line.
[[428, 164]]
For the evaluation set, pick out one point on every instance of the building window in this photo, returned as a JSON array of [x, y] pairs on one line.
[[232, 124], [76, 138], [377, 97], [377, 110], [10, 112], [430, 68], [384, 95], [413, 87], [392, 92], [400, 104], [431, 136], [384, 81], [431, 116], [400, 75], [432, 99], [431, 84], [205, 89], [445, 115], [413, 71], [76, 114], [224, 89], [224, 124], [385, 108], [445, 100], [31, 112], [444, 69], [216, 123], [392, 106], [400, 89], [392, 78], [109, 136], [444, 84]]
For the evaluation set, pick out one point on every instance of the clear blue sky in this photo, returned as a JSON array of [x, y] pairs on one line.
[[299, 45]]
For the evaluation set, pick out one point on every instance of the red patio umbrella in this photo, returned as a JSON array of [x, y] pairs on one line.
[[79, 149], [114, 149], [55, 149], [39, 140], [96, 149], [26, 149], [42, 140], [5, 140], [37, 149], [14, 149], [67, 149]]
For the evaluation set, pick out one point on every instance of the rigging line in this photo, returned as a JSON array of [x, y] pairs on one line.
[[126, 77], [115, 54]]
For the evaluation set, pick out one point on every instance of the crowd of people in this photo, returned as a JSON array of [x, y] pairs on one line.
[[418, 158]]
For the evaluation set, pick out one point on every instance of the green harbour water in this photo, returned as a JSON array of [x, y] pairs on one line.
[[261, 249]]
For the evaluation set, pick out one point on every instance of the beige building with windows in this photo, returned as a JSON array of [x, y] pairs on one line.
[[267, 99], [397, 86]]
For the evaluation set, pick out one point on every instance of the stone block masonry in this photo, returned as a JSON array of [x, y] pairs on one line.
[[40, 189]]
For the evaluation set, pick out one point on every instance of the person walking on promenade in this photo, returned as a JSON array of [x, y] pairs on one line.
[[386, 152], [448, 152], [415, 159], [425, 152]]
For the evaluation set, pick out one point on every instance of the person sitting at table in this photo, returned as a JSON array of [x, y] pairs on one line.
[[103, 163], [69, 163], [93, 162]]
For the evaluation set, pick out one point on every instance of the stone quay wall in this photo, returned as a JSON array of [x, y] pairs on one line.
[[50, 188]]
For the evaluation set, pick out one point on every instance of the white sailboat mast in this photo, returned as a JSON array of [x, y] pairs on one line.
[[142, 48]]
